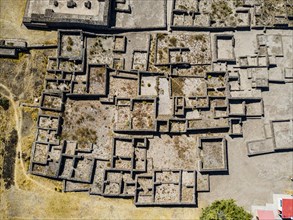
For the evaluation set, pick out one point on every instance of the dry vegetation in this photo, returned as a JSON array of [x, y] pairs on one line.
[[7, 133], [143, 115], [177, 86], [25, 77], [270, 9], [223, 14]]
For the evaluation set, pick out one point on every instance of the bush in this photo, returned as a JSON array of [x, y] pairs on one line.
[[224, 209], [161, 36], [68, 48], [173, 41], [70, 41], [199, 37], [4, 103]]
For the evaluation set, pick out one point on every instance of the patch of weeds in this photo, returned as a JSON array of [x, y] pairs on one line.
[[161, 36], [173, 41], [70, 41]]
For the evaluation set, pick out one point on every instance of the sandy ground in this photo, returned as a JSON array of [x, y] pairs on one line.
[[39, 204], [11, 13], [251, 180], [254, 180]]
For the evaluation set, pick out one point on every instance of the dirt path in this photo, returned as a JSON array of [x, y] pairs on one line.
[[18, 127]]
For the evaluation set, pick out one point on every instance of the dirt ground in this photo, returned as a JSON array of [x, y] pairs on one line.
[[251, 180], [38, 203], [254, 180], [11, 13]]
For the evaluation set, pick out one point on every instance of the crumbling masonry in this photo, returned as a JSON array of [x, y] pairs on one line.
[[149, 116]]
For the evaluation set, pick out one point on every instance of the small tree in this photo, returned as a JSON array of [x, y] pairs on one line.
[[224, 210], [4, 103]]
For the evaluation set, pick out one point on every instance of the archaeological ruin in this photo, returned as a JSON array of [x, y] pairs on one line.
[[135, 108]]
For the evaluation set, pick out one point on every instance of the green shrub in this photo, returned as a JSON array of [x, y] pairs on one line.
[[4, 103], [224, 209]]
